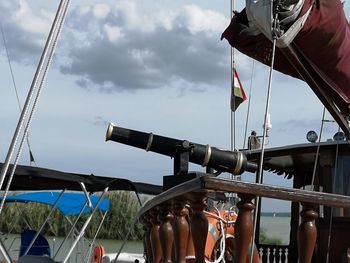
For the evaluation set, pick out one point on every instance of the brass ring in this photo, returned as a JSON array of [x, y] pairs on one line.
[[207, 155], [149, 143], [239, 163]]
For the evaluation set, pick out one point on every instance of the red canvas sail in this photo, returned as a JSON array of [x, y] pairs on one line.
[[319, 53]]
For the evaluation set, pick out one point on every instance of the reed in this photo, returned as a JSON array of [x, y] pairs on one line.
[[265, 239], [119, 220]]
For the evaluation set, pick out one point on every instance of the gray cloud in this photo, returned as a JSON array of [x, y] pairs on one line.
[[143, 56], [148, 59], [25, 41]]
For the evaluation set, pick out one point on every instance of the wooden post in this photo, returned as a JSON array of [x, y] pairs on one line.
[[166, 233], [147, 225], [307, 233], [244, 228], [199, 225], [155, 241], [181, 230], [190, 255]]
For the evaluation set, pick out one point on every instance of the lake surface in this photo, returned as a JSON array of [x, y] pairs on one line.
[[12, 244], [276, 227]]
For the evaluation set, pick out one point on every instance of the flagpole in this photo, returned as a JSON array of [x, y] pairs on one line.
[[232, 68]]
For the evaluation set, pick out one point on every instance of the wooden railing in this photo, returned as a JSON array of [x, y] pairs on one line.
[[176, 226], [273, 253]]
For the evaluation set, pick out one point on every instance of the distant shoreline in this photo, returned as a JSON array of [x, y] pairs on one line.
[[276, 214]]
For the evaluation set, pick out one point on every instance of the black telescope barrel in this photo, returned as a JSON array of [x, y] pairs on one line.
[[205, 155]]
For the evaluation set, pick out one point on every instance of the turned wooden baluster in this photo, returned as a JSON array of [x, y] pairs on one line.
[[199, 225], [147, 225], [244, 228], [307, 233], [181, 230], [166, 233], [190, 257], [155, 241]]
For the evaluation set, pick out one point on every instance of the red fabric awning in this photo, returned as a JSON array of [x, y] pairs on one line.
[[323, 43]]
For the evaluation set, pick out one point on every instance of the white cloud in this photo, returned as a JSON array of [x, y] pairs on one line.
[[137, 20], [30, 22], [25, 28], [120, 47], [83, 10], [114, 33], [200, 20], [165, 18], [100, 11], [128, 11], [130, 49]]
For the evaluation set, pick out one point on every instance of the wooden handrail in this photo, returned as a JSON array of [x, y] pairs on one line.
[[180, 211], [209, 184]]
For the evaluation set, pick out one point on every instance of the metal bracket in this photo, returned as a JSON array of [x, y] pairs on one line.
[[182, 158]]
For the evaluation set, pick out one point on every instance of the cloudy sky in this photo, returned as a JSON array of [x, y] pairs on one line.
[[155, 66]]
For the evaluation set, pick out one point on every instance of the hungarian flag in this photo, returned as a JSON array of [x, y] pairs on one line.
[[237, 93]]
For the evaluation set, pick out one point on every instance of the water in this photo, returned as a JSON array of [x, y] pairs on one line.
[[113, 246], [276, 227], [12, 244]]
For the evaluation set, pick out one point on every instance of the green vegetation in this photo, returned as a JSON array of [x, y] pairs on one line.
[[119, 220], [264, 239]]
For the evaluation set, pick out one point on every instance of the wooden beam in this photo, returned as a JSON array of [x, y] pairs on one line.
[[276, 192], [210, 184], [317, 84]]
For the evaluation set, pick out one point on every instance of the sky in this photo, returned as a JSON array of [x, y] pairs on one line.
[[154, 66]]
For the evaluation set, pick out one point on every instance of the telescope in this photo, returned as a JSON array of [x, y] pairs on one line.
[[220, 160]]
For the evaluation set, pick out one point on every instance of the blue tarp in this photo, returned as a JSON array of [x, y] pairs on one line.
[[70, 203]]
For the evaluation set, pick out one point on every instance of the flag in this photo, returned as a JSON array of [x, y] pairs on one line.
[[237, 93], [31, 157]]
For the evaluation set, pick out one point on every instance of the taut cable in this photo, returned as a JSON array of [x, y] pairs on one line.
[[48, 50], [260, 168], [249, 103]]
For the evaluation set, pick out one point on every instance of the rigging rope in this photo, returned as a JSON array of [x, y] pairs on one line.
[[222, 238], [249, 102], [15, 87], [232, 68], [48, 50], [332, 209], [317, 151], [268, 96], [232, 113], [10, 66]]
